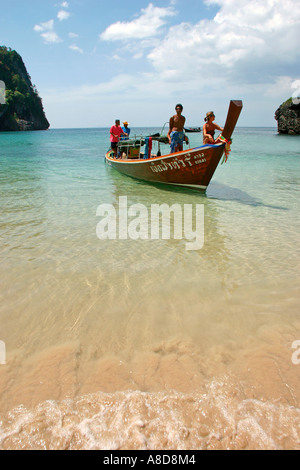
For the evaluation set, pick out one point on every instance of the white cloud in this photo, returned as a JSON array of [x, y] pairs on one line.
[[138, 55], [46, 29], [146, 25], [76, 48], [51, 37], [47, 32], [248, 41], [282, 84], [262, 16], [47, 26], [296, 92], [73, 35], [249, 51], [288, 85], [117, 57], [63, 15]]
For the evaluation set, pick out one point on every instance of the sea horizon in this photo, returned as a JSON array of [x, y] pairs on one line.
[[135, 127]]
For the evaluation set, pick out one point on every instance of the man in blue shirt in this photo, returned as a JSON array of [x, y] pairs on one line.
[[125, 129]]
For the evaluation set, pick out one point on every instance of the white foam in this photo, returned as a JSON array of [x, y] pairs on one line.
[[138, 420]]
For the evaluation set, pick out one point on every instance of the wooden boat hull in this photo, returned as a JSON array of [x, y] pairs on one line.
[[192, 168]]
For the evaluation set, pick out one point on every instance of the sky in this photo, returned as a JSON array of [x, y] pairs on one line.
[[93, 61]]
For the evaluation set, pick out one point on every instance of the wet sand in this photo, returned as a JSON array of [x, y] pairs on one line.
[[175, 396]]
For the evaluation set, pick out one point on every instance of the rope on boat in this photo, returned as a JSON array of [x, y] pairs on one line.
[[227, 148]]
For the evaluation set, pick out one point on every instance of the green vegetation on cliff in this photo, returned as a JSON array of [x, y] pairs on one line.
[[23, 109]]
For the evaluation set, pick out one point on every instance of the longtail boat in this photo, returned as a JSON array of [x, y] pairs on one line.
[[192, 129], [192, 168]]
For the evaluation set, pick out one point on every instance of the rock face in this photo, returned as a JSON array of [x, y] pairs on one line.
[[288, 117], [21, 107]]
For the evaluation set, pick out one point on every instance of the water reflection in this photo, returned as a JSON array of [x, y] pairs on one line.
[[214, 253]]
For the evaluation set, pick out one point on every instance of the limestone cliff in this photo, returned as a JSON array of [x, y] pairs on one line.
[[288, 118], [21, 107]]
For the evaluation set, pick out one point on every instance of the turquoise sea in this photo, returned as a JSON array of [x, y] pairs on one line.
[[141, 344]]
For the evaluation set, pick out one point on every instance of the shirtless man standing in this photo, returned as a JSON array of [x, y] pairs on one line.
[[176, 135]]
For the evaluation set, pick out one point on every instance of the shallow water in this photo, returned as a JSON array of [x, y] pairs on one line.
[[141, 344]]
